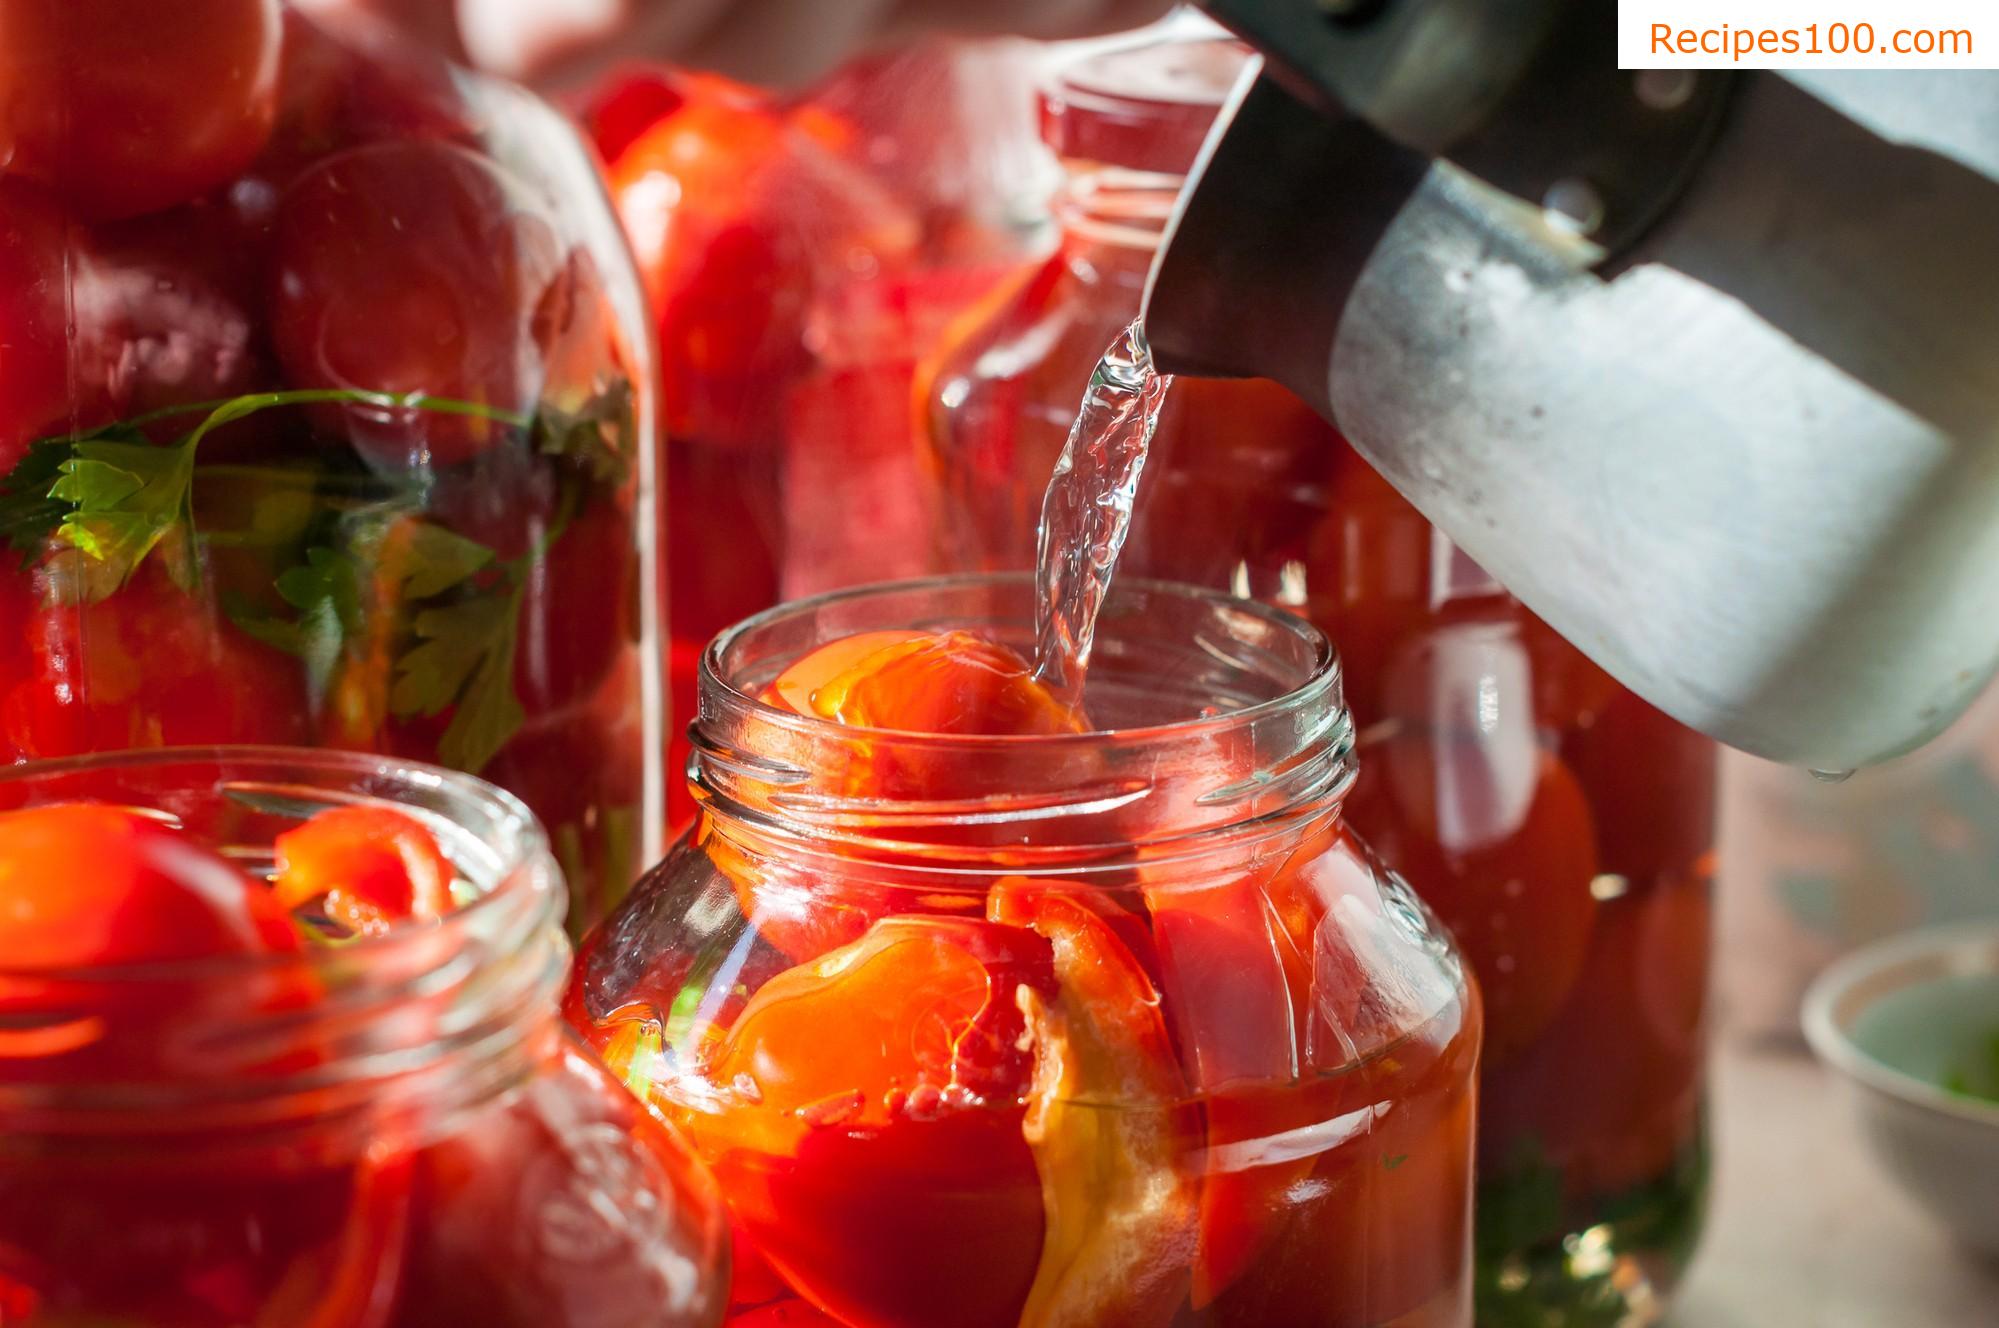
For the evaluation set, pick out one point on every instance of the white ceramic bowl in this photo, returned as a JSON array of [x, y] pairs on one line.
[[1898, 1019]]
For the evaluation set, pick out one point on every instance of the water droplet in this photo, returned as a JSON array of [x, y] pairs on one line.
[[1832, 776], [1606, 886], [925, 1102]]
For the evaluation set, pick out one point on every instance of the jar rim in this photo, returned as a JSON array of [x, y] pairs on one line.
[[411, 1025], [1322, 682], [1146, 104], [1266, 743], [529, 841]]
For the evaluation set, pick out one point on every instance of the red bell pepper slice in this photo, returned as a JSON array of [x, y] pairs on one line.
[[1246, 979], [373, 867]]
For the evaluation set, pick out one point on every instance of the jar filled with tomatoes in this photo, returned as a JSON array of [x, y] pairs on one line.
[[280, 1046], [322, 413], [801, 254], [990, 1009], [1559, 825]]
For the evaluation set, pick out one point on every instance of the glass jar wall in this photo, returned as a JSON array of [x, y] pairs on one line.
[[1562, 827], [211, 1119], [801, 254], [325, 383], [1099, 1026]]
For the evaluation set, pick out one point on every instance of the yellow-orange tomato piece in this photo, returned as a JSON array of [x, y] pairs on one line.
[[925, 682]]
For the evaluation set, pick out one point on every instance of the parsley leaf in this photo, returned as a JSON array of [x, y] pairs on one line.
[[465, 655], [115, 496], [329, 589], [124, 499], [28, 515], [596, 437], [326, 591], [439, 559]]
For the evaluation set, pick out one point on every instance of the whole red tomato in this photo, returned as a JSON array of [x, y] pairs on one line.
[[731, 206], [86, 887], [876, 1157], [629, 106], [83, 885], [414, 267], [1504, 854], [125, 108], [346, 84], [1611, 1095], [1651, 781], [166, 310], [151, 666]]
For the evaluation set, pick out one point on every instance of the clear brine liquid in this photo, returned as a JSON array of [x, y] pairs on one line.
[[1086, 512]]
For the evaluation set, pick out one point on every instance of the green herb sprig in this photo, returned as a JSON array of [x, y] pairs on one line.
[[115, 496]]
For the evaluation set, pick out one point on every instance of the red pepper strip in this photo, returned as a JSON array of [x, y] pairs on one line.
[[1252, 987], [1108, 1119], [374, 867]]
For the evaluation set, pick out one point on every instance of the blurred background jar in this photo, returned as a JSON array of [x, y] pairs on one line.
[[801, 254], [1562, 827], [391, 1131], [324, 416], [1096, 1027]]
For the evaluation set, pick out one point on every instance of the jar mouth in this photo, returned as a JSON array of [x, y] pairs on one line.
[[287, 783], [427, 1015], [1145, 105], [1320, 681], [1217, 722]]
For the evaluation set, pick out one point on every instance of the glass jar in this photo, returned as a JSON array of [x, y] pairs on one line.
[[1116, 1027], [391, 1131], [327, 378], [1562, 827], [801, 255]]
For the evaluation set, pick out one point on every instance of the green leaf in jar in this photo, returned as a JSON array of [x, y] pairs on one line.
[[28, 515], [115, 496], [125, 499], [596, 437], [464, 659], [440, 559], [326, 591]]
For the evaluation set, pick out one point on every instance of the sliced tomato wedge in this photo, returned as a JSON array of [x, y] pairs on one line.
[[925, 682], [373, 867], [870, 1133]]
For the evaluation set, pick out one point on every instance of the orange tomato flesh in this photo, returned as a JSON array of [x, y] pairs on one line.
[[925, 682], [373, 867]]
